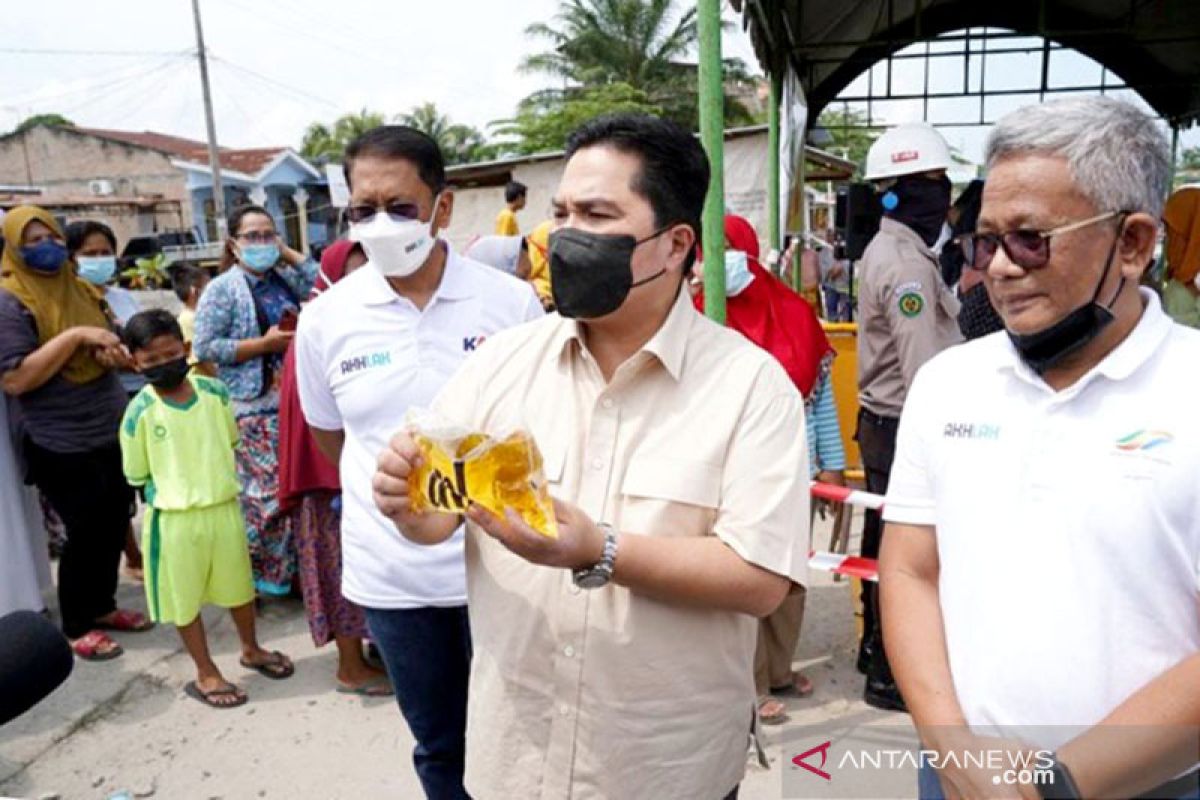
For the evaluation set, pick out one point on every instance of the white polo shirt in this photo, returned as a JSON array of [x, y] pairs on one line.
[[364, 356], [1068, 523]]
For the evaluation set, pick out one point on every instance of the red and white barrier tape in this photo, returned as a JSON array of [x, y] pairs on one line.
[[843, 494], [866, 569]]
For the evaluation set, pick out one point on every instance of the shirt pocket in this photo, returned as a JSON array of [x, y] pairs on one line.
[[669, 497]]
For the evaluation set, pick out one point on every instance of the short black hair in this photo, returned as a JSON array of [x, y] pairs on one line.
[[184, 278], [675, 171], [400, 142], [146, 326], [514, 190], [78, 232]]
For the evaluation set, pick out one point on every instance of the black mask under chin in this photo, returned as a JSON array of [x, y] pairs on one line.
[[591, 274], [1046, 348], [920, 203]]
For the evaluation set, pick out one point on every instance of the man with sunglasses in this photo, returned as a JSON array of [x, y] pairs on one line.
[[382, 340], [1040, 575], [906, 316]]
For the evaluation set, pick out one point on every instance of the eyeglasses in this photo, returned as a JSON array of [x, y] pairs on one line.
[[400, 212], [257, 237], [1027, 249]]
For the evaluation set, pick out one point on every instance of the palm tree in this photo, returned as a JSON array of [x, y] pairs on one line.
[[639, 43], [460, 144], [323, 143]]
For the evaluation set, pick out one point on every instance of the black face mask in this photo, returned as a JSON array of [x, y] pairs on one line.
[[167, 376], [1042, 350], [590, 273], [977, 317], [921, 204]]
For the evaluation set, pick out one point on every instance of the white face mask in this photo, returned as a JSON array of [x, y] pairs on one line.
[[396, 249], [737, 272]]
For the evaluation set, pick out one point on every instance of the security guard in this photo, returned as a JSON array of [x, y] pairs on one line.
[[906, 316]]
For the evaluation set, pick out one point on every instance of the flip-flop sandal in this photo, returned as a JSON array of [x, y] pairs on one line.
[[794, 688], [126, 621], [87, 647], [777, 718], [196, 693], [375, 687], [276, 669]]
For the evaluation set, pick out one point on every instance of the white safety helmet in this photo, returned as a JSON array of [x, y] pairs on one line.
[[907, 150]]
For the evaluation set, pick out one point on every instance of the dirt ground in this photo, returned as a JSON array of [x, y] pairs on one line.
[[125, 729]]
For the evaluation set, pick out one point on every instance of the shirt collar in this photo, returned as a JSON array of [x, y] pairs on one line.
[[455, 283], [902, 231], [668, 344], [1133, 351]]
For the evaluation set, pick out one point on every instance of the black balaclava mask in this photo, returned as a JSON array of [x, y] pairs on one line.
[[920, 203]]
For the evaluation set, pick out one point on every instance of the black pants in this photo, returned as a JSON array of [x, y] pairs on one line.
[[88, 491], [876, 439]]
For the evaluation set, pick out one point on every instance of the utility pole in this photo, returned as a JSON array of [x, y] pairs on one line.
[[214, 158], [712, 135]]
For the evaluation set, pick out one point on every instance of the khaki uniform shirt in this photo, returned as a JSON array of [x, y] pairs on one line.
[[906, 316], [607, 693]]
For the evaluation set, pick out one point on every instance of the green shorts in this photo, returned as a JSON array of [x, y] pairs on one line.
[[195, 557]]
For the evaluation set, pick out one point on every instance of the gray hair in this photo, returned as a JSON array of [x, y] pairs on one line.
[[1116, 154]]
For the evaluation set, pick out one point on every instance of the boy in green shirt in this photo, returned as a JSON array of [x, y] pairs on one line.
[[177, 444]]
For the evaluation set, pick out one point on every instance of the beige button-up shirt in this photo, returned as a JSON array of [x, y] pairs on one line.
[[906, 316], [606, 693]]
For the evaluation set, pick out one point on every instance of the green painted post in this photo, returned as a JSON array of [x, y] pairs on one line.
[[773, 165], [712, 135]]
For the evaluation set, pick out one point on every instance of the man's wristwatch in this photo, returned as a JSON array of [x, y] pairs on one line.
[[1062, 784], [600, 573]]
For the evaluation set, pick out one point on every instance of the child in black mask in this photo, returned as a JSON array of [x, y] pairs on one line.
[[177, 445]]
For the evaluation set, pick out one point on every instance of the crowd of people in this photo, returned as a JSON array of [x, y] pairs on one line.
[[261, 432]]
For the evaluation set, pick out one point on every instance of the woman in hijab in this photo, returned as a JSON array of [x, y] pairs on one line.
[[768, 313], [58, 362], [310, 491], [1181, 294]]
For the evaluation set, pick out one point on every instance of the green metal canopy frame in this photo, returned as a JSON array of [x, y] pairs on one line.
[[1153, 46]]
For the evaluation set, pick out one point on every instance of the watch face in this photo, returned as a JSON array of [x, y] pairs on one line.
[[591, 580]]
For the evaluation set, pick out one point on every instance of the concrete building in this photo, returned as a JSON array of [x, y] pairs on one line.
[[143, 183]]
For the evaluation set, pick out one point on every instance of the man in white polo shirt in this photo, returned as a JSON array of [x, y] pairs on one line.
[[1040, 576], [377, 343]]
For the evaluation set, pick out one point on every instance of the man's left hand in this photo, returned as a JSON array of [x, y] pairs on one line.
[[580, 542]]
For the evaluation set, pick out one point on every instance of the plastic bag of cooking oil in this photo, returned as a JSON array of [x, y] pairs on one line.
[[463, 467]]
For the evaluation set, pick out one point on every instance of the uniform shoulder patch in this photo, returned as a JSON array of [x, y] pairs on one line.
[[911, 304]]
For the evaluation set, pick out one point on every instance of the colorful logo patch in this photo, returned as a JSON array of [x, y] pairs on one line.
[[911, 304], [1144, 440]]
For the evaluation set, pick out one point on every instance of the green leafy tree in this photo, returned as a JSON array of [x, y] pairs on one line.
[[52, 120], [460, 144], [850, 134], [643, 44], [544, 121], [323, 143]]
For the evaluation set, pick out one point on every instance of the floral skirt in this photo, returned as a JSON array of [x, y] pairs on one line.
[[319, 545], [269, 529]]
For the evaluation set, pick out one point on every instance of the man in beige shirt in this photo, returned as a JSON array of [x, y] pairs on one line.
[[616, 660], [906, 316]]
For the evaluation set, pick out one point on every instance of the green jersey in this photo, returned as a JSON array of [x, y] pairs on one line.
[[183, 454]]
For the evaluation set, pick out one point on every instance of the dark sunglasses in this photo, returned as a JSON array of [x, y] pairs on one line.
[[1027, 249], [400, 212]]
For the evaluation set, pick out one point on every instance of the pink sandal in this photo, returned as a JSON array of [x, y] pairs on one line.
[[126, 621], [96, 646]]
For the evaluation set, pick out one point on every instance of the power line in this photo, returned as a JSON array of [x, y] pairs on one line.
[[108, 91], [102, 81], [33, 51], [271, 81]]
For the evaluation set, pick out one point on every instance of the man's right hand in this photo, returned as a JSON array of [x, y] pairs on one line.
[[391, 493], [276, 340]]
